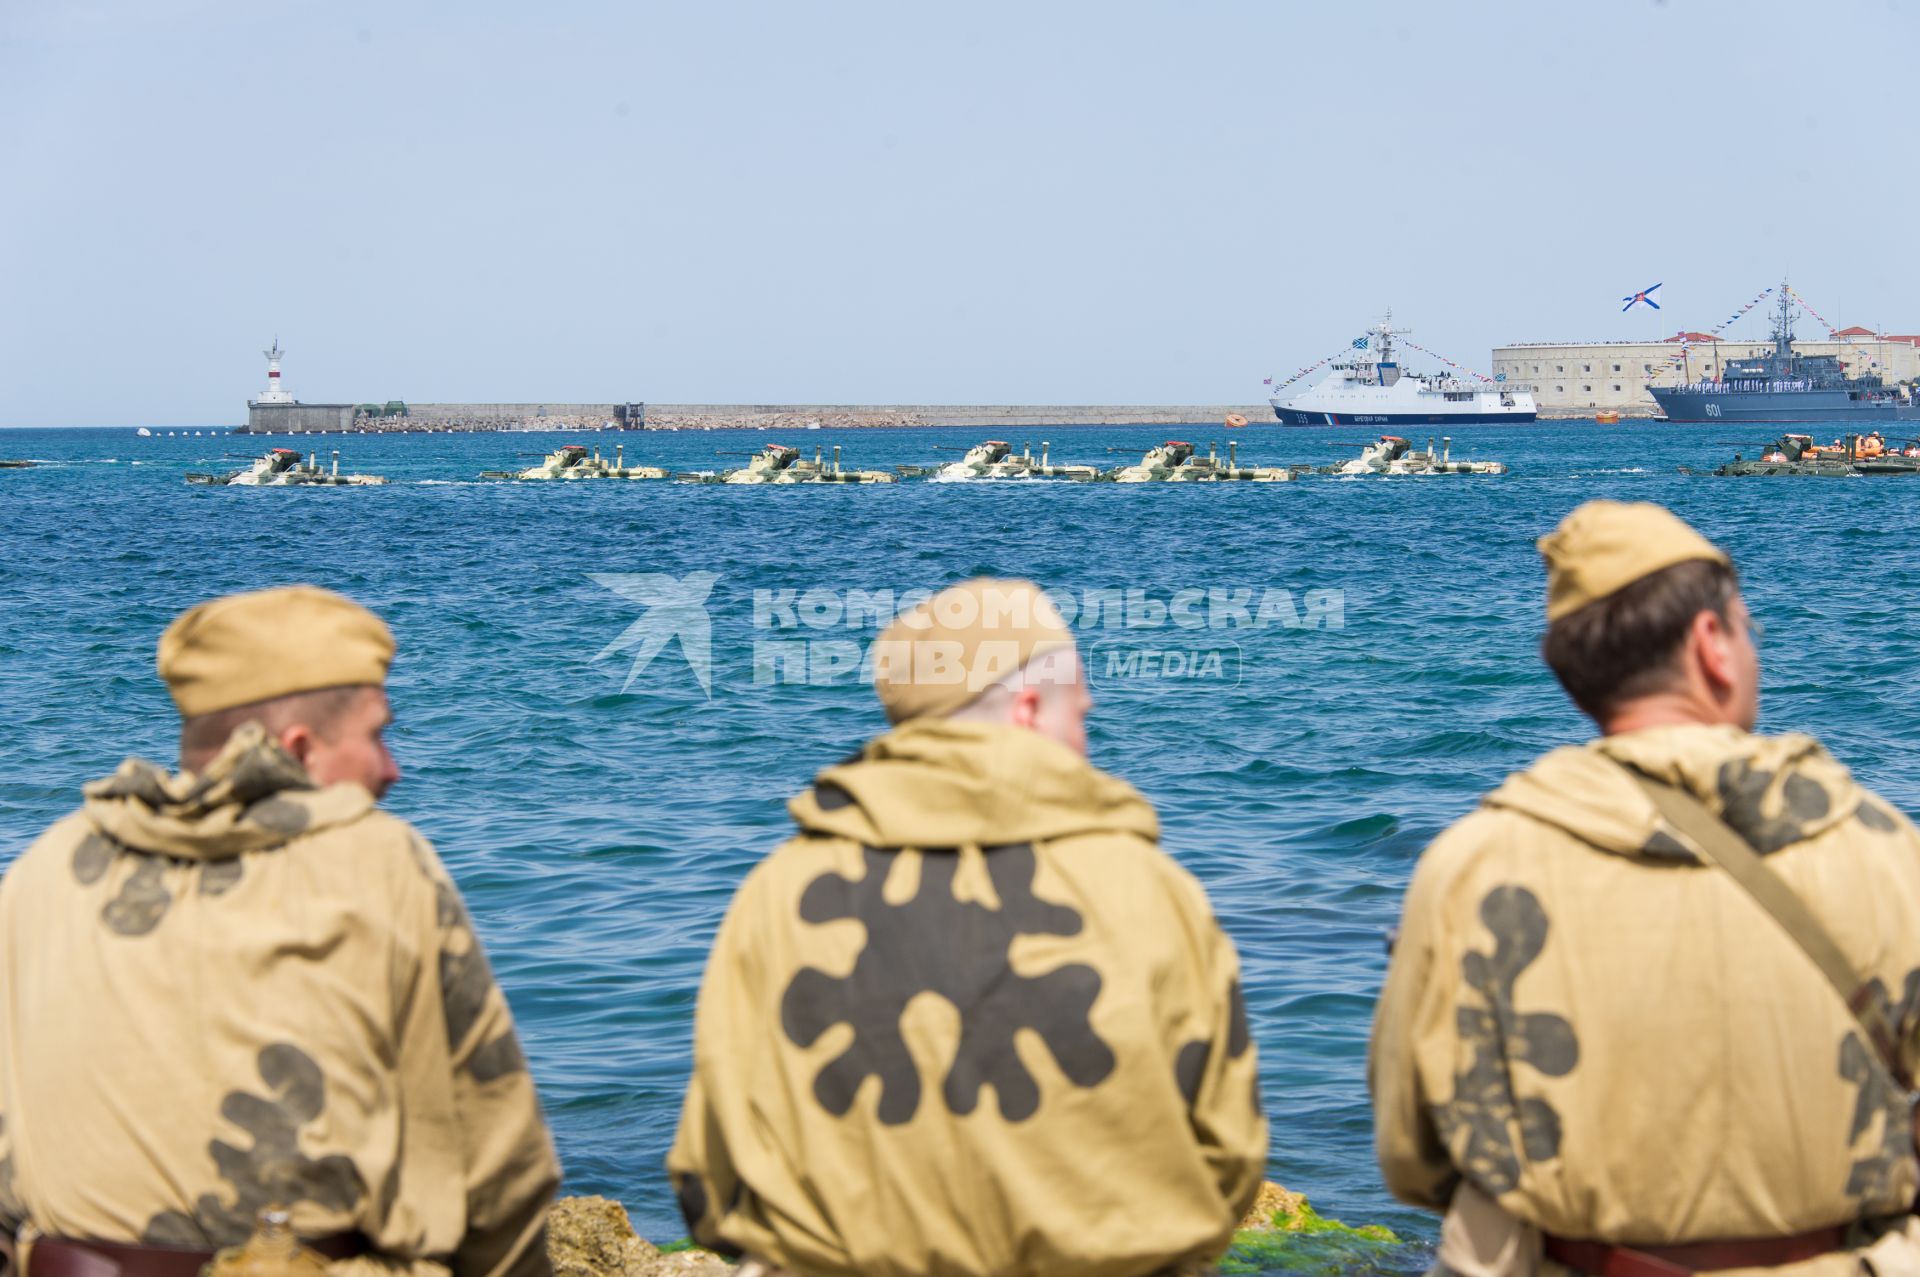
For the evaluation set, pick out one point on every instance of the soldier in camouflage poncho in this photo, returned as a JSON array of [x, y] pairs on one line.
[[1594, 1049], [245, 986], [971, 1019]]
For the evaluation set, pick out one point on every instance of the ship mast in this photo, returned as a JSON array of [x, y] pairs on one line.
[[1783, 334]]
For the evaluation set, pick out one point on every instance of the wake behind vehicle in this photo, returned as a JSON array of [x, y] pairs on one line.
[[1372, 389], [284, 468]]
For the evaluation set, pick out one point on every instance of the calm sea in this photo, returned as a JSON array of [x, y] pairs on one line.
[[598, 825]]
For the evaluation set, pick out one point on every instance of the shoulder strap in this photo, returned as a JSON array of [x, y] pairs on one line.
[[1722, 846]]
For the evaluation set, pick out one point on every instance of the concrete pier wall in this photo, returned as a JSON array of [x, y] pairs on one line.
[[298, 418]]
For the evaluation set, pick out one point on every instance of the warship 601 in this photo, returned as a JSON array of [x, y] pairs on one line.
[[574, 462], [1372, 389], [1391, 454], [777, 463], [283, 468], [1784, 386], [995, 459], [1174, 462]]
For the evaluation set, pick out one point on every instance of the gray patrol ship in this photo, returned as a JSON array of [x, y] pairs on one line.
[[1783, 385]]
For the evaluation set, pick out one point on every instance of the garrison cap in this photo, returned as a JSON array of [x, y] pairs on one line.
[[246, 648], [1605, 546], [940, 654]]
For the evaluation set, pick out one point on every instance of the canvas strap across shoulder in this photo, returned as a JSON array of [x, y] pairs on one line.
[[1722, 846]]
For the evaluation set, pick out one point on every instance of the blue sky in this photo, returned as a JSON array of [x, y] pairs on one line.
[[898, 202]]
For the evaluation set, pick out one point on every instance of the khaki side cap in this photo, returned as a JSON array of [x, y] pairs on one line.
[[1604, 546], [246, 648], [939, 655]]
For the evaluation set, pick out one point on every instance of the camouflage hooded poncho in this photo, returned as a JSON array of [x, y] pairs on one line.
[[970, 1020], [1610, 1039], [234, 989]]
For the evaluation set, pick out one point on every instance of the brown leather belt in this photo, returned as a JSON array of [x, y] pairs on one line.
[[1603, 1259], [67, 1257]]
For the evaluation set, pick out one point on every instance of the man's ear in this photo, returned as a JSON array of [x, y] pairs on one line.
[[1025, 709], [297, 739], [1710, 648]]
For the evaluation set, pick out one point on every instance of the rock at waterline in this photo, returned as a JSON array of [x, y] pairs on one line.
[[1282, 1233], [592, 1237]]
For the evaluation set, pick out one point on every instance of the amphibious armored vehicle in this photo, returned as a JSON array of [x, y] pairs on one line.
[[574, 462], [283, 468], [1391, 454], [1174, 462], [778, 463], [1800, 455], [995, 459]]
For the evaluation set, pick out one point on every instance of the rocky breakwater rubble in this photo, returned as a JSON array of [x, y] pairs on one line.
[[839, 419], [1282, 1233], [439, 424]]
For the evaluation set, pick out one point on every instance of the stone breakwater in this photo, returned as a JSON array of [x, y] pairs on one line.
[[479, 418], [481, 425], [798, 419], [592, 1237]]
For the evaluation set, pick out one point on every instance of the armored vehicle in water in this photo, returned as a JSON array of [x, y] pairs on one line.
[[1391, 454], [995, 459], [574, 462], [1844, 458], [283, 468], [1174, 462], [780, 464], [16, 465]]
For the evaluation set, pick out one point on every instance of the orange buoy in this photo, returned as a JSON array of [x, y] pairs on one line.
[[1607, 418], [1235, 421]]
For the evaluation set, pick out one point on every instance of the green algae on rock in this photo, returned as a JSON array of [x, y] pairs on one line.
[[1282, 1233]]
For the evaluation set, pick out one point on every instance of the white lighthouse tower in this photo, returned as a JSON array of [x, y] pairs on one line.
[[276, 393]]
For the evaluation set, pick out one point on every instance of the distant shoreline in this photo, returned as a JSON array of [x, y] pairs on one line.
[[987, 417]]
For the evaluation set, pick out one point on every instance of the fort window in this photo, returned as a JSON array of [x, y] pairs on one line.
[[1616, 368], [1616, 390]]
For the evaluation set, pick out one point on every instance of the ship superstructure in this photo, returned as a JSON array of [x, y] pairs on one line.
[[1372, 389]]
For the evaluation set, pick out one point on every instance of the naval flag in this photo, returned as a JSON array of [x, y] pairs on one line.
[[1360, 343], [1644, 295]]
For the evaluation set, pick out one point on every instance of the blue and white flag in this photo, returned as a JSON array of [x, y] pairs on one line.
[[1360, 343], [1644, 295]]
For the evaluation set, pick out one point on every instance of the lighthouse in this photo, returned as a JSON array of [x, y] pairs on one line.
[[276, 393]]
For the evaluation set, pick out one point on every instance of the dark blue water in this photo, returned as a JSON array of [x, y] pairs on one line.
[[598, 832]]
